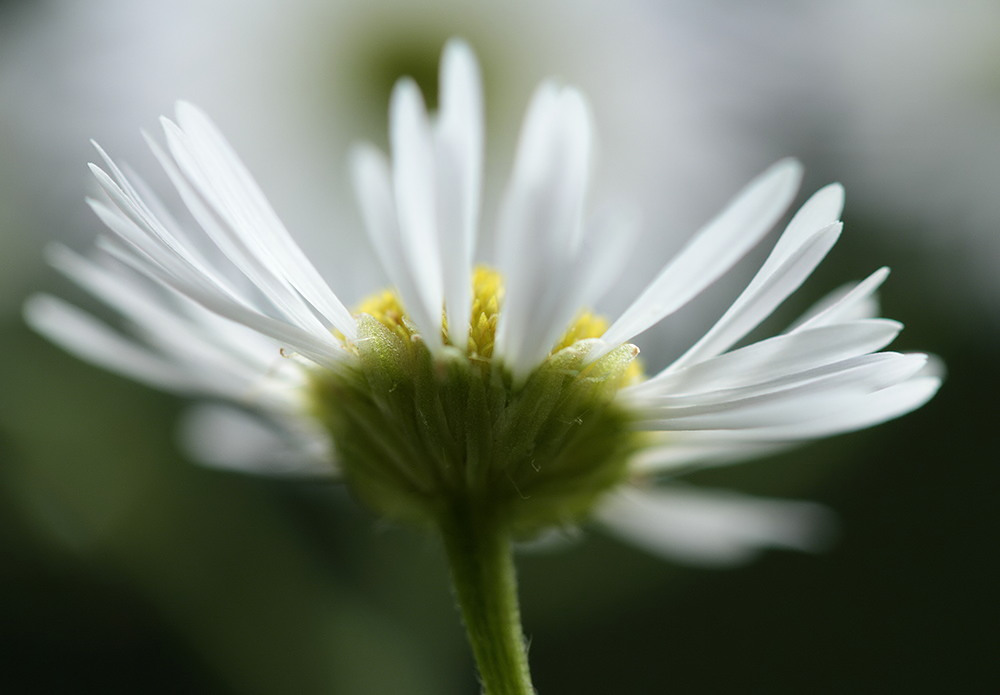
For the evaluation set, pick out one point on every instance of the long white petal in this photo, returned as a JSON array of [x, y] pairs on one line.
[[554, 310], [150, 248], [171, 326], [529, 182], [862, 411], [240, 200], [774, 357], [712, 251], [229, 438], [823, 209], [714, 528], [678, 452], [230, 222], [459, 156], [809, 399], [372, 180], [681, 453], [865, 411], [84, 336], [132, 221], [201, 290], [879, 368], [414, 186], [772, 285], [146, 250], [540, 226], [846, 304]]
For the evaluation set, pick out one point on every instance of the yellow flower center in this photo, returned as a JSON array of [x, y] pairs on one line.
[[487, 299]]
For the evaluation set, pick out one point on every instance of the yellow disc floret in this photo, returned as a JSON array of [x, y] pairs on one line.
[[487, 296], [487, 299]]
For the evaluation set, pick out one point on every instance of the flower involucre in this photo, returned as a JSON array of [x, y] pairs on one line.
[[482, 387], [417, 433]]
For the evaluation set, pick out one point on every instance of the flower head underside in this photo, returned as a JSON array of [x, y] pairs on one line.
[[417, 434], [491, 386]]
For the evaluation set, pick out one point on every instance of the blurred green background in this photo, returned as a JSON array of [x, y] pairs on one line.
[[125, 568]]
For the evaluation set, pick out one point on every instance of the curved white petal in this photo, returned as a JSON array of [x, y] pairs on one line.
[[233, 238], [459, 158], [178, 327], [148, 246], [823, 209], [414, 187], [677, 452], [131, 220], [539, 232], [846, 304], [681, 452], [858, 411], [205, 156], [774, 358], [372, 180], [229, 438], [203, 290], [865, 411], [773, 284], [82, 335], [873, 370], [713, 528], [784, 402], [178, 345], [712, 251]]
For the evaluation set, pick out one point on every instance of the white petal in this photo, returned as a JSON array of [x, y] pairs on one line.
[[87, 338], [865, 411], [772, 285], [714, 528], [207, 346], [529, 182], [233, 439], [879, 370], [563, 297], [132, 221], [211, 190], [677, 452], [238, 198], [712, 251], [821, 210], [200, 247], [846, 304], [459, 155], [150, 248], [371, 176], [540, 226], [774, 358], [784, 401], [859, 412], [681, 452], [324, 351], [414, 186], [809, 236]]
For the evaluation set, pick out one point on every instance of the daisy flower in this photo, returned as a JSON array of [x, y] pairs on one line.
[[487, 401]]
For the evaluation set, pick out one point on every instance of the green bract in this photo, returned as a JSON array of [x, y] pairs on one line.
[[418, 435]]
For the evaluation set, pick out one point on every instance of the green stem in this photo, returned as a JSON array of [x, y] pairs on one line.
[[482, 570]]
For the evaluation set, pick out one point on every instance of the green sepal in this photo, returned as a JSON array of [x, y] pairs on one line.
[[418, 433]]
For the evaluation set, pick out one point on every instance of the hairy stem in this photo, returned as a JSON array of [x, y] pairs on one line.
[[482, 570]]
